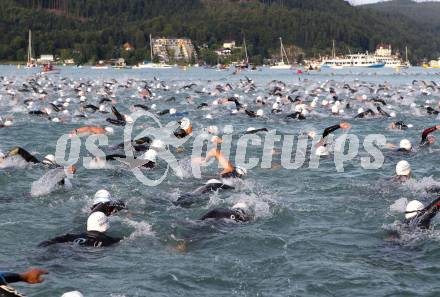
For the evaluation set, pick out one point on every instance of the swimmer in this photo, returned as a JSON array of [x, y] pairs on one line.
[[419, 216], [32, 276], [428, 139], [185, 128], [399, 125], [88, 130], [403, 171], [321, 146], [229, 171], [149, 158], [104, 203], [97, 226], [240, 212]]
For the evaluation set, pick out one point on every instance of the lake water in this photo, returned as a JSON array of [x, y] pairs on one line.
[[316, 232]]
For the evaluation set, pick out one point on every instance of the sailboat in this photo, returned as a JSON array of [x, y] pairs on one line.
[[150, 65], [281, 65], [245, 63], [30, 61]]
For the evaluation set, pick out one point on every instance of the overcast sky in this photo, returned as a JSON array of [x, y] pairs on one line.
[[356, 2]]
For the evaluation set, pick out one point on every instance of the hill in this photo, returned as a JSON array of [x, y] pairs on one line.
[[96, 29]]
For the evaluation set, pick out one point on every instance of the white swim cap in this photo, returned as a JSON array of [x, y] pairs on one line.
[[321, 151], [208, 116], [7, 123], [109, 130], [412, 208], [49, 160], [364, 97], [185, 123], [65, 111], [313, 104], [360, 110], [213, 181], [335, 109], [213, 130], [215, 102], [311, 134], [173, 110], [276, 105], [260, 113], [73, 294], [98, 221], [56, 120], [324, 102], [241, 205], [157, 145], [405, 144], [65, 104], [102, 107], [240, 170], [250, 129], [403, 168], [153, 106], [393, 114], [102, 196], [150, 155]]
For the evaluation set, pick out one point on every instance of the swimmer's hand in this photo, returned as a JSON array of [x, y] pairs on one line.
[[437, 127], [33, 276], [390, 145], [198, 161], [345, 125]]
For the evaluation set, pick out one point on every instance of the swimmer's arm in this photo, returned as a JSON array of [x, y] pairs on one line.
[[427, 131], [390, 145], [58, 239], [224, 163], [24, 154], [32, 276], [329, 130]]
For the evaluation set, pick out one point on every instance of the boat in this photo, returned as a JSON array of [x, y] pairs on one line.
[[49, 69], [100, 65], [245, 63], [434, 63], [384, 54], [120, 64], [151, 65], [281, 65], [355, 60], [30, 61]]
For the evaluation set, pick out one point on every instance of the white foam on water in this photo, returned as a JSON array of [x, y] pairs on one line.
[[13, 162], [399, 205], [49, 182]]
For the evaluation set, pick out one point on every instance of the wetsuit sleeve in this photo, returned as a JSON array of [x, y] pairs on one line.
[[427, 132], [114, 156], [429, 213], [9, 277], [24, 154], [59, 239], [117, 114], [218, 213], [329, 130]]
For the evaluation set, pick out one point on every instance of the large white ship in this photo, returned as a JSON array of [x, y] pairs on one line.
[[381, 58]]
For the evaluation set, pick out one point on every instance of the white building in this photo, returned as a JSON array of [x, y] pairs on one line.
[[383, 50], [45, 59]]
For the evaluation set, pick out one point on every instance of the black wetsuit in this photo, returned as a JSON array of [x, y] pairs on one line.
[[113, 157], [296, 115], [364, 114], [5, 279], [256, 131], [236, 214], [424, 216], [188, 199], [425, 134], [119, 121], [22, 153], [180, 133], [89, 238], [400, 125], [109, 208]]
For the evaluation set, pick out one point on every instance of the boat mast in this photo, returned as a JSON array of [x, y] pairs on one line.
[[151, 49], [245, 49], [283, 52], [334, 50], [406, 53], [29, 55]]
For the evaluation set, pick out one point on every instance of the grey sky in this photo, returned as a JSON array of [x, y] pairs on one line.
[[357, 2]]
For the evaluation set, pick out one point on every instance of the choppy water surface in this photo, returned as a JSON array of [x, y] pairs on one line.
[[316, 232]]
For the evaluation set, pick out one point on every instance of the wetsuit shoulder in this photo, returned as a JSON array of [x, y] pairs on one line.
[[218, 213], [97, 239], [329, 130]]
